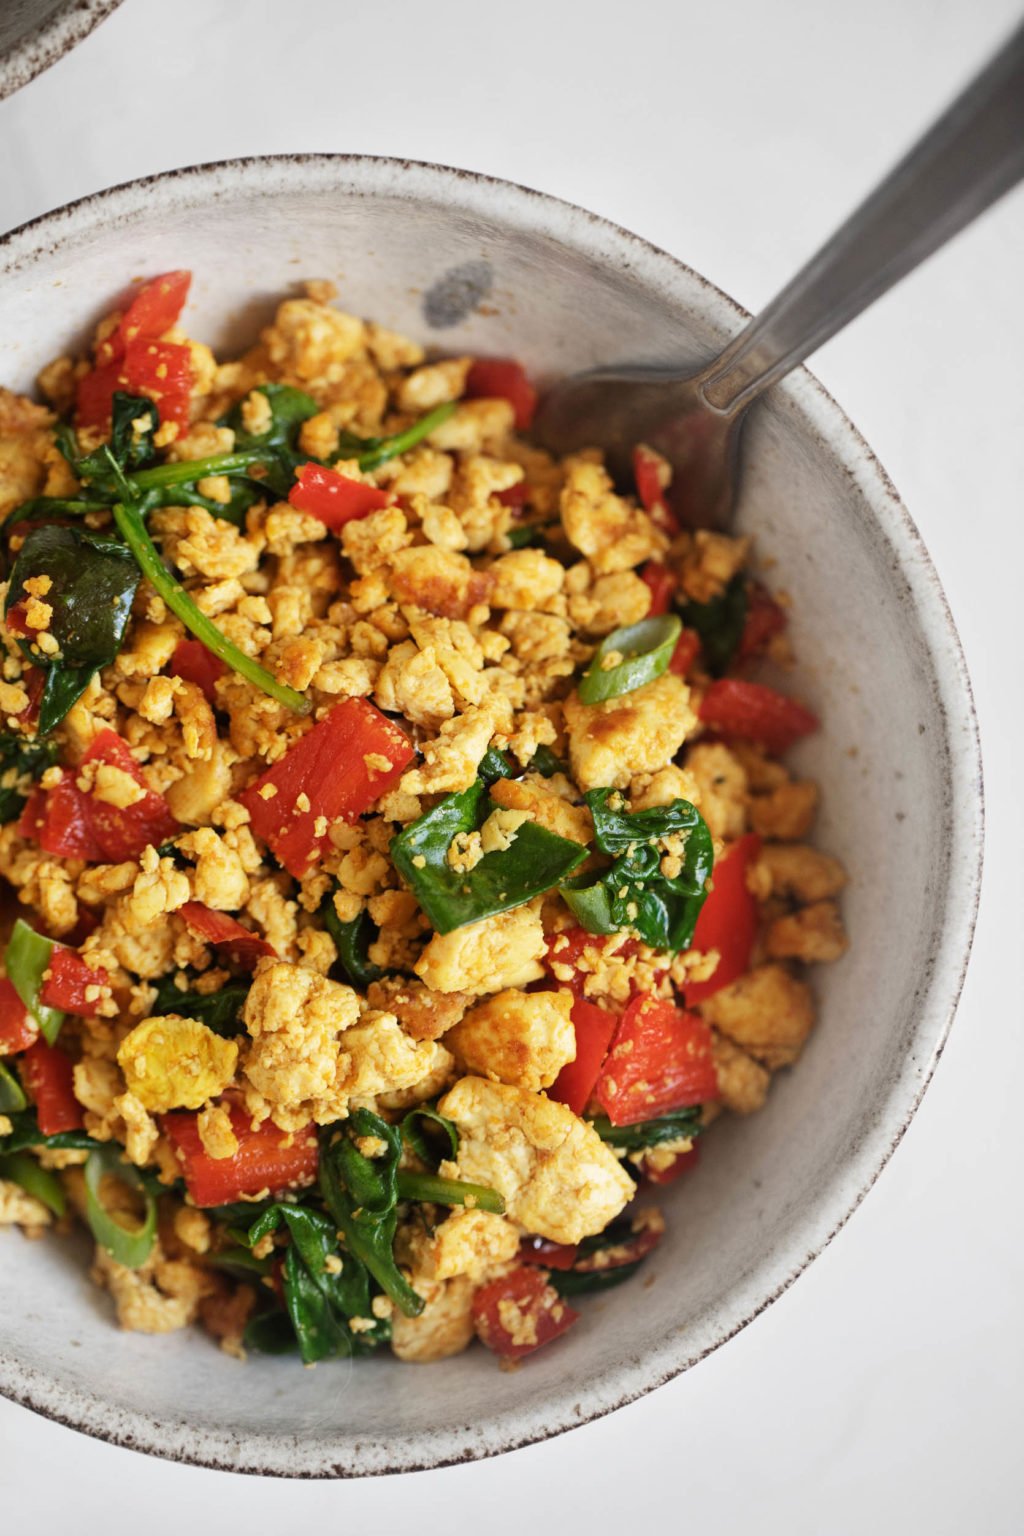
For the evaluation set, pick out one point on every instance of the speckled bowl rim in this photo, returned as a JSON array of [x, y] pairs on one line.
[[42, 46], [942, 970]]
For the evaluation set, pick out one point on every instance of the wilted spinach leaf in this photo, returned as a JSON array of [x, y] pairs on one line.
[[352, 940], [676, 1126], [278, 445], [25, 1132], [220, 1011], [719, 624], [22, 761], [361, 1194], [93, 580], [534, 861], [633, 893]]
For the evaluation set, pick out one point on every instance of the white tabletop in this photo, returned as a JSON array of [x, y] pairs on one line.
[[883, 1392]]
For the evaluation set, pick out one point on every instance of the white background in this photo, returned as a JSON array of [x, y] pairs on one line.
[[882, 1392]]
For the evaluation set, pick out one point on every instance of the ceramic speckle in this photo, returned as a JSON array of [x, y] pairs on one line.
[[879, 658], [36, 33], [454, 296]]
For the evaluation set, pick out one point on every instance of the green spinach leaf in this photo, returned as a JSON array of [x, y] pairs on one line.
[[352, 940], [220, 1011], [633, 893], [677, 1126], [719, 624], [533, 862], [289, 408], [361, 1193], [93, 580], [25, 1132], [22, 761]]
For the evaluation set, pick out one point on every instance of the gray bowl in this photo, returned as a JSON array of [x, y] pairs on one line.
[[36, 33], [464, 261]]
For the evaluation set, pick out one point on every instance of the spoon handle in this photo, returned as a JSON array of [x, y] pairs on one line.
[[969, 158]]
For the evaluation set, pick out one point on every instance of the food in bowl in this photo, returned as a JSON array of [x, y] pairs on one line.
[[411, 870]]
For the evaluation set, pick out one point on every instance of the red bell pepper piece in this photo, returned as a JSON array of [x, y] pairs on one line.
[[334, 498], [48, 1077], [569, 949], [756, 713], [686, 652], [33, 680], [226, 935], [151, 311], [69, 981], [682, 1162], [267, 1158], [17, 1029], [58, 821], [195, 664], [728, 919], [519, 1313], [652, 475], [17, 622], [642, 1240], [514, 495], [123, 832], [549, 1255], [663, 587], [660, 1060], [594, 1030], [764, 620], [338, 769], [501, 378], [160, 370]]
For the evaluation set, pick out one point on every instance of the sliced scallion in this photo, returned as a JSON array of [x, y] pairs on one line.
[[25, 1171], [26, 958], [630, 657], [130, 1246], [12, 1095]]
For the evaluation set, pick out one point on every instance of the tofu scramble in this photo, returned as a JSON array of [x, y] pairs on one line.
[[402, 869]]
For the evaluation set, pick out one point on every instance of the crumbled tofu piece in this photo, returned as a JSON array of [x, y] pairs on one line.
[[742, 1081], [443, 1328], [612, 534], [500, 951], [768, 1012], [802, 872], [786, 813], [468, 1242], [521, 1038], [813, 934], [170, 1062], [546, 809], [295, 1018], [722, 785], [635, 733], [557, 1177]]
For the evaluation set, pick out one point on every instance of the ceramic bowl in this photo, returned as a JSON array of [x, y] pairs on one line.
[[468, 263], [36, 33]]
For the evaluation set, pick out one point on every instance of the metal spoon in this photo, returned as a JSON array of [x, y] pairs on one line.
[[968, 159]]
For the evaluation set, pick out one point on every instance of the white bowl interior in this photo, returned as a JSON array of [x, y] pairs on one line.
[[897, 759]]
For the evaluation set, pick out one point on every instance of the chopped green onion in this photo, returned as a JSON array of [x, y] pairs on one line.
[[34, 1179], [130, 1246], [129, 521], [12, 1095], [27, 957], [428, 1186], [643, 650]]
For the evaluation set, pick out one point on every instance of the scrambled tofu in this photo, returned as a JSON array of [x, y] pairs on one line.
[[237, 855], [557, 1177]]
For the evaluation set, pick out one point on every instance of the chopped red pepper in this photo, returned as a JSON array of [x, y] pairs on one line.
[[267, 1159], [151, 311], [514, 495], [653, 474], [16, 619], [69, 981], [193, 663], [238, 944], [682, 1162], [764, 620], [73, 824], [48, 1077], [728, 919], [501, 378], [338, 769], [124, 832], [663, 587], [549, 1255], [594, 1030], [33, 680], [578, 950], [160, 370], [17, 1029], [334, 498], [647, 1232], [660, 1060], [756, 713], [58, 821], [686, 652], [519, 1313]]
